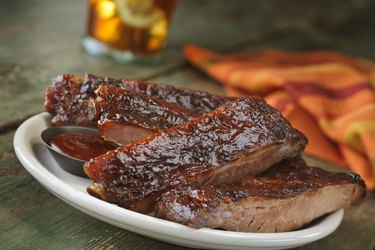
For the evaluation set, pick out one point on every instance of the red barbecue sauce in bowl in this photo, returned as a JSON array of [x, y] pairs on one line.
[[81, 146]]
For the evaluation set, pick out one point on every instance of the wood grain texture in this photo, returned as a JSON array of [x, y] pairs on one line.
[[21, 94]]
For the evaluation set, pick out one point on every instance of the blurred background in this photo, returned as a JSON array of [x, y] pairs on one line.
[[46, 33]]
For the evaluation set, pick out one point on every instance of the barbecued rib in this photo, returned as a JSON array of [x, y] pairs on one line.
[[68, 96], [243, 137], [199, 101], [284, 198], [124, 116]]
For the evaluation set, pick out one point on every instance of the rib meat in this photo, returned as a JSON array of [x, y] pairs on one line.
[[284, 198], [198, 101], [124, 116], [67, 98], [240, 138]]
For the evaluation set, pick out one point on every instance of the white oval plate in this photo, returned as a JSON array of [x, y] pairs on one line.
[[72, 189]]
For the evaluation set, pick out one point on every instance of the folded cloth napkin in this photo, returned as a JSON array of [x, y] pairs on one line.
[[328, 96]]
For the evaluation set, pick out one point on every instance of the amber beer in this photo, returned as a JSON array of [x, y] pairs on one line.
[[128, 28]]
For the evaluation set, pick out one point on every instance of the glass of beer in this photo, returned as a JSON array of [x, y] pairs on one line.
[[128, 30]]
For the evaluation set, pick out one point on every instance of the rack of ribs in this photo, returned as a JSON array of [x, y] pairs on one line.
[[243, 137], [286, 197], [124, 116], [67, 99]]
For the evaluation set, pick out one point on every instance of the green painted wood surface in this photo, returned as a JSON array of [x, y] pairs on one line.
[[21, 94], [39, 39]]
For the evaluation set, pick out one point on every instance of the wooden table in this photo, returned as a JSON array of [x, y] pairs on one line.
[[39, 39]]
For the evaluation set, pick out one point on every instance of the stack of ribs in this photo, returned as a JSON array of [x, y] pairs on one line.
[[199, 159]]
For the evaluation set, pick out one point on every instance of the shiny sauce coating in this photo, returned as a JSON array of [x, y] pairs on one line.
[[81, 146], [136, 173]]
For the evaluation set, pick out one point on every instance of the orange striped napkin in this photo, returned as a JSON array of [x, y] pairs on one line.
[[328, 96]]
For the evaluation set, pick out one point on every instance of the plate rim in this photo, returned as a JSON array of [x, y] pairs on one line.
[[139, 223]]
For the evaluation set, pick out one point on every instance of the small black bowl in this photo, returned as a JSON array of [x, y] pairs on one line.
[[68, 163]]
